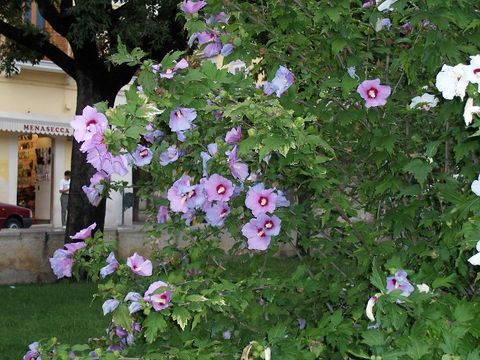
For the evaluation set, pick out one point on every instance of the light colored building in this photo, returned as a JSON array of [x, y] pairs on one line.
[[36, 107]]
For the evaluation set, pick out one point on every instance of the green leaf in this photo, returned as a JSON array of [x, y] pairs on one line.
[[417, 349], [147, 80], [83, 347], [196, 319], [419, 169], [338, 45], [181, 316], [277, 333], [377, 277], [373, 338], [209, 69], [334, 13], [121, 317], [196, 298], [123, 56], [464, 312], [272, 143], [445, 282], [169, 60], [154, 323]]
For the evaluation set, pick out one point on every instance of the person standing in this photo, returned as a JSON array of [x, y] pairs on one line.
[[64, 189]]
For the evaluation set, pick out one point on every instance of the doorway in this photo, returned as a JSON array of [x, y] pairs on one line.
[[34, 184]]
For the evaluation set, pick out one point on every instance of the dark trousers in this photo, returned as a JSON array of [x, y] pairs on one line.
[[64, 205]]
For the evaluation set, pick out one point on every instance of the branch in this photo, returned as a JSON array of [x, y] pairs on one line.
[[60, 22], [39, 42], [65, 5]]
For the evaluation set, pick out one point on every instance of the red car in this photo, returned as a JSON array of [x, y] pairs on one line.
[[15, 217]]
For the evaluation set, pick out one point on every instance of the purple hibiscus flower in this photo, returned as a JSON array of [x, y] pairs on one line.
[[177, 194], [399, 281], [159, 295], [84, 233], [196, 197], [218, 188], [256, 235], [192, 7], [212, 49], [226, 50], [181, 119], [96, 155], [238, 169], [217, 213], [62, 260], [96, 187], [369, 3], [169, 156], [234, 135], [61, 263], [97, 139], [373, 93], [142, 156], [111, 267], [89, 123], [115, 164], [135, 304], [152, 135], [33, 352], [270, 224], [282, 201], [169, 73], [109, 306], [206, 37], [139, 265], [206, 156], [283, 79], [72, 248], [261, 200], [162, 215], [221, 17]]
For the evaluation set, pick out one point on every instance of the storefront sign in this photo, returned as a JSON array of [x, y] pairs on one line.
[[47, 129]]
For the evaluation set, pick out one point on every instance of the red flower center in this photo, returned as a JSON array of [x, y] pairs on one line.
[[263, 201], [223, 213], [169, 71], [372, 93], [395, 283], [260, 233], [268, 224], [178, 113], [163, 299], [476, 71], [221, 189], [91, 122], [143, 153], [192, 193]]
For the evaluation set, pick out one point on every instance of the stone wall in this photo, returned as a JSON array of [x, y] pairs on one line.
[[24, 253]]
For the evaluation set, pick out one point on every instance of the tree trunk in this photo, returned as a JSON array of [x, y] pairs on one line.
[[90, 90]]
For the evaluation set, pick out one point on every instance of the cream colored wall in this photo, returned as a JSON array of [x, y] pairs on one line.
[[20, 93], [68, 153]]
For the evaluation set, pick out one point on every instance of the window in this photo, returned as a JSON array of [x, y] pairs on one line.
[[32, 15]]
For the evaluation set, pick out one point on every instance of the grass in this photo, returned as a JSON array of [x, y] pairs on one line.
[[32, 312]]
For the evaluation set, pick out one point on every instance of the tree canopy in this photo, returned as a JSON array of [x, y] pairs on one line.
[[93, 29]]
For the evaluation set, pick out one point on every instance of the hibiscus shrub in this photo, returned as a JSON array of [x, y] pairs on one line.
[[334, 128]]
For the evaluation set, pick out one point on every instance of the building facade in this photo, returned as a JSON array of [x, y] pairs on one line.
[[36, 107]]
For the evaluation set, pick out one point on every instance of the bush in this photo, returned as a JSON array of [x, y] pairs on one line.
[[371, 186]]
